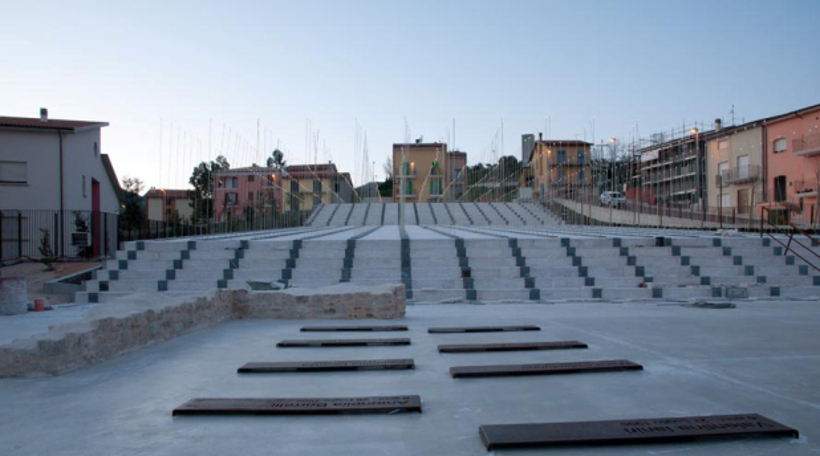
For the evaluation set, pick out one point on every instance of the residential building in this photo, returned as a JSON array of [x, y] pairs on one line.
[[428, 172], [672, 170], [734, 172], [162, 205], [253, 190], [558, 167], [306, 186], [456, 183], [791, 160], [527, 143], [56, 167]]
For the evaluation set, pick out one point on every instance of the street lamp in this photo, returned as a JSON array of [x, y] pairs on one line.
[[614, 146]]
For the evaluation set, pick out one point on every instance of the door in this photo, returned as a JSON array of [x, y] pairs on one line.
[[743, 201], [95, 218]]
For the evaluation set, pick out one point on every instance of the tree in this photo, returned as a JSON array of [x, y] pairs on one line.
[[132, 205], [276, 160], [202, 179], [387, 167]]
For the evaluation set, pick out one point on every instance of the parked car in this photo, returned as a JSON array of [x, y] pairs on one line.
[[612, 199]]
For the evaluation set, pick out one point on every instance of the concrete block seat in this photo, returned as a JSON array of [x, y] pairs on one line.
[[458, 214], [425, 214], [357, 214], [442, 216], [527, 217], [510, 216], [341, 214], [374, 215], [492, 216], [475, 214], [391, 214]]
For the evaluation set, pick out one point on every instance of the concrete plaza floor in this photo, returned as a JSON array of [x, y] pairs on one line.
[[761, 357]]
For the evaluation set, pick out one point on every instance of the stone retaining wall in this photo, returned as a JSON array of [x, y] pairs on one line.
[[143, 319]]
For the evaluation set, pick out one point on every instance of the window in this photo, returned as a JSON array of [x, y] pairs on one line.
[[779, 189], [294, 186], [250, 197], [337, 187], [85, 195], [581, 177], [780, 145], [13, 172], [434, 169], [743, 166], [435, 187], [724, 144], [317, 186], [580, 156], [562, 157], [250, 178], [230, 199], [96, 149], [723, 170], [408, 188]]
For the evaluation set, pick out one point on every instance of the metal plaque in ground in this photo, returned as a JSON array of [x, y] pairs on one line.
[[520, 346], [327, 366], [352, 328], [343, 342], [300, 406], [544, 369], [475, 329], [618, 432]]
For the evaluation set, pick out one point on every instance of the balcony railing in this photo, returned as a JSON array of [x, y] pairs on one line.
[[738, 175], [805, 187], [807, 145]]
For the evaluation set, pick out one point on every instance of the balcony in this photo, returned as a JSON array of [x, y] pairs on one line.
[[807, 145], [805, 187], [737, 176]]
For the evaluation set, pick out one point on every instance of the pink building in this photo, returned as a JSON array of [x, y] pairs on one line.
[[253, 190], [791, 159]]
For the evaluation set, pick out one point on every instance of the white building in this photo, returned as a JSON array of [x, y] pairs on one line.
[[48, 170]]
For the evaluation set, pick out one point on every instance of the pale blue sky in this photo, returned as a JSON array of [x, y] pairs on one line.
[[654, 64]]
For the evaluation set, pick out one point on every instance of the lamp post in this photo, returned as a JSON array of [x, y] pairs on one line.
[[614, 146]]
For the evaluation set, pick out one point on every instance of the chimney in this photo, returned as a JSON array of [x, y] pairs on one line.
[[43, 115], [540, 136], [718, 124]]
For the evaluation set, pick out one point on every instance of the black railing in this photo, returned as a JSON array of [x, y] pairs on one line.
[[34, 234], [67, 235]]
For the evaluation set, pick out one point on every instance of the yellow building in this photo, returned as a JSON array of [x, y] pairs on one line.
[[559, 166], [419, 172], [306, 186]]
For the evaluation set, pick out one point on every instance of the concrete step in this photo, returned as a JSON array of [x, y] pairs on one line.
[[435, 296], [446, 284], [490, 295], [382, 274]]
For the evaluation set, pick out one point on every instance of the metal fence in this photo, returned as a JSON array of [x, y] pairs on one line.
[[583, 207], [67, 235], [34, 234], [152, 229]]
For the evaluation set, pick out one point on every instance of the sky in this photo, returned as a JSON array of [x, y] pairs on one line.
[[181, 82]]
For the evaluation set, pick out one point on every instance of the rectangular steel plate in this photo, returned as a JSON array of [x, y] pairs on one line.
[[655, 430], [544, 369], [353, 328], [522, 346], [474, 329], [343, 342], [300, 406], [324, 366]]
